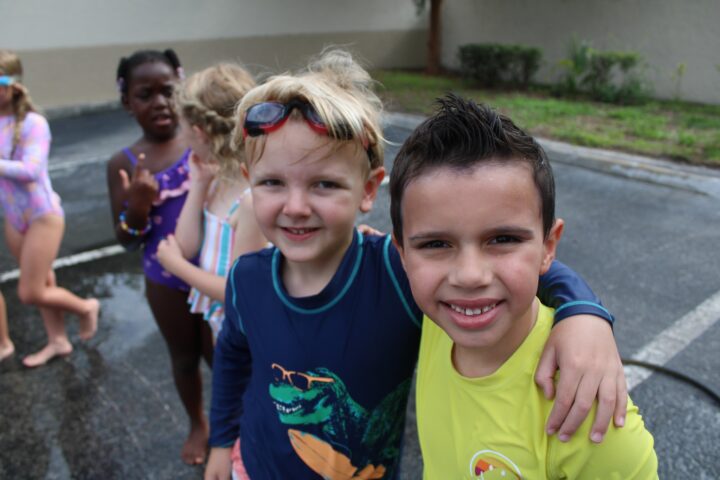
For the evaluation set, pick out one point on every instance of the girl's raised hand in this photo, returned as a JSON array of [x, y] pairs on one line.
[[168, 252], [202, 172], [140, 190]]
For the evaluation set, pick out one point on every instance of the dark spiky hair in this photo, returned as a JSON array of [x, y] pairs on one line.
[[460, 135]]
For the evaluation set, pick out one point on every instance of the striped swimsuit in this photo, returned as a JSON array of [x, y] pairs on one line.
[[215, 257]]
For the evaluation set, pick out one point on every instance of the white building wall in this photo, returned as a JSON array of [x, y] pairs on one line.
[[42, 24], [70, 48], [665, 32]]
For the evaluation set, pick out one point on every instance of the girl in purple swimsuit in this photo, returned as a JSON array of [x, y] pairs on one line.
[[34, 220], [148, 184]]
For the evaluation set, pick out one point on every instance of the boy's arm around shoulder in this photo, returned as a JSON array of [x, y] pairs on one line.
[[232, 364], [564, 290], [582, 346], [626, 453]]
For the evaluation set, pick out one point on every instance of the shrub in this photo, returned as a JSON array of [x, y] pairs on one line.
[[607, 76], [491, 64]]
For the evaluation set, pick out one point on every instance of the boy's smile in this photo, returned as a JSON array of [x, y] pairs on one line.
[[307, 191], [473, 249]]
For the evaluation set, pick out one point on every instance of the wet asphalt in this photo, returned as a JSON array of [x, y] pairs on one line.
[[647, 244]]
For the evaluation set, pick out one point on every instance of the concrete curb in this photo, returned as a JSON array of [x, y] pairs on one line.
[[685, 177], [54, 113]]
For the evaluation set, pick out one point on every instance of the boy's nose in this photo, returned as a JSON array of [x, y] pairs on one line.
[[296, 204], [471, 269]]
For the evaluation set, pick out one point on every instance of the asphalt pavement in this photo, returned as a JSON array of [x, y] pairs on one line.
[[644, 234]]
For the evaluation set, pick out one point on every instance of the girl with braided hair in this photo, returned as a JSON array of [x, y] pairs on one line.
[[217, 220], [148, 183], [34, 219]]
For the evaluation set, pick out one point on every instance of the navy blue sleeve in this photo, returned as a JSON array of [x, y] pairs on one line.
[[564, 290], [231, 373]]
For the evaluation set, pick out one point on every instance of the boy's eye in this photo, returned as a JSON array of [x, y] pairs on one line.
[[500, 239], [327, 184], [168, 91], [269, 182], [143, 94], [432, 244]]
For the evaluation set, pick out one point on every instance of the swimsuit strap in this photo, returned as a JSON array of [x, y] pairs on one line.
[[236, 203], [131, 156], [233, 207]]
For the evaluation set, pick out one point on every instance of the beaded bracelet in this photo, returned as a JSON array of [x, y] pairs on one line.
[[133, 231]]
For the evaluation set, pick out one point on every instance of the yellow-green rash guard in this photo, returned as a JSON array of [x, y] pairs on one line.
[[494, 427]]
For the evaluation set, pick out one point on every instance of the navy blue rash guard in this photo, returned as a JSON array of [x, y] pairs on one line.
[[320, 384]]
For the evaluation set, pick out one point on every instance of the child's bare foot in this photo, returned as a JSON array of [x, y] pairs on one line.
[[195, 449], [6, 350], [89, 320], [58, 348]]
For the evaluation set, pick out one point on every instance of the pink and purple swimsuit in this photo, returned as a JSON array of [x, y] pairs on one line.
[[173, 185], [25, 190]]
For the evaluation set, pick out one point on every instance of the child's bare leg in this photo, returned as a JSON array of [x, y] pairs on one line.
[[40, 245], [58, 344], [6, 345], [183, 336]]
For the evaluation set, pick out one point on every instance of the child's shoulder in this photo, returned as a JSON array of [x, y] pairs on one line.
[[382, 248], [36, 123], [119, 161], [377, 242], [253, 262]]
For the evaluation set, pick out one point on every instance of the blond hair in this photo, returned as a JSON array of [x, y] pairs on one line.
[[339, 90], [22, 104], [207, 100]]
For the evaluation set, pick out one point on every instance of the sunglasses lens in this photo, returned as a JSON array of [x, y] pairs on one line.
[[312, 116], [301, 382], [6, 81], [265, 113]]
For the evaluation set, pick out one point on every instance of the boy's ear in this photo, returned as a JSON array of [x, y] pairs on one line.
[[372, 184], [245, 171], [550, 244]]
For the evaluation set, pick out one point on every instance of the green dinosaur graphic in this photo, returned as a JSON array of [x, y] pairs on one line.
[[333, 434]]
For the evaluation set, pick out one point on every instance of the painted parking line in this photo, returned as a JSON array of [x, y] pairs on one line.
[[59, 166], [71, 260], [674, 339]]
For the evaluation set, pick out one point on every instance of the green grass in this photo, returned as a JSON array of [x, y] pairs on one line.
[[669, 129]]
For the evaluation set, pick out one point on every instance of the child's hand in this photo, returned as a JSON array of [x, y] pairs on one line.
[[368, 230], [585, 352], [219, 464], [140, 190], [201, 171], [168, 252]]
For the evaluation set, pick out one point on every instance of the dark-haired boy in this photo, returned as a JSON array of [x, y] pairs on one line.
[[472, 202]]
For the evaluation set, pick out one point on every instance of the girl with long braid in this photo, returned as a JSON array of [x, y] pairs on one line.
[[217, 221]]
